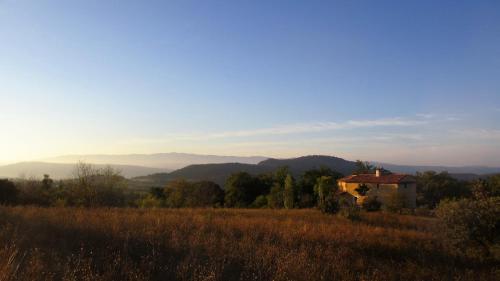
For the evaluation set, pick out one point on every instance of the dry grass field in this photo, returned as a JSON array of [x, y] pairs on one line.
[[222, 244]]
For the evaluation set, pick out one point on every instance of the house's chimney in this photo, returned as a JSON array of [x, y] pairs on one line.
[[377, 172]]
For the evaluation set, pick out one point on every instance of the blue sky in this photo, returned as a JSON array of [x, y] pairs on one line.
[[413, 82]]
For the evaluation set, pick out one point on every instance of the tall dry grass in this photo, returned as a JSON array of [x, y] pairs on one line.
[[222, 244]]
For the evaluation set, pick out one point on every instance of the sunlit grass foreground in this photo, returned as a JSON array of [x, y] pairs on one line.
[[222, 244]]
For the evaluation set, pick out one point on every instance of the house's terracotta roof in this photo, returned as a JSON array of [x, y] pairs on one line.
[[382, 179]]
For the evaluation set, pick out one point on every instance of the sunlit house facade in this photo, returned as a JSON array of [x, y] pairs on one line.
[[381, 186]]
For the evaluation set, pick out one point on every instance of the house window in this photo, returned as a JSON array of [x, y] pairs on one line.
[[405, 185]]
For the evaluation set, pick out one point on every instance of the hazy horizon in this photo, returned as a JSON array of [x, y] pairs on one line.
[[85, 158], [413, 83]]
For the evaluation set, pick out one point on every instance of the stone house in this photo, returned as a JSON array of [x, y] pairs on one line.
[[381, 186]]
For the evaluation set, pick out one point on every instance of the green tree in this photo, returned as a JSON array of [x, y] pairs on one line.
[[363, 167], [494, 185], [263, 184], [176, 193], [325, 190], [33, 192], [433, 187], [260, 202], [47, 182], [471, 226], [150, 201], [240, 190], [181, 193], [157, 192], [362, 189], [97, 187], [395, 202], [8, 192], [275, 198], [289, 192], [110, 187], [280, 175], [306, 185], [206, 194], [489, 187]]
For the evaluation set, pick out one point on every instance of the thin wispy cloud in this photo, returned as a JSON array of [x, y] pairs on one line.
[[313, 127], [426, 115], [478, 133], [382, 138], [290, 129], [316, 127]]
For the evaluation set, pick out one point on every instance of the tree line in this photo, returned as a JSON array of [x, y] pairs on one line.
[[92, 187], [243, 190], [89, 187]]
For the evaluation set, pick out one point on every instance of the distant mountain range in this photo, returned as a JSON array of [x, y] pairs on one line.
[[157, 169], [167, 161]]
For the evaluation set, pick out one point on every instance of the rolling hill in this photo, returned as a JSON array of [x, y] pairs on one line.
[[218, 173], [301, 164]]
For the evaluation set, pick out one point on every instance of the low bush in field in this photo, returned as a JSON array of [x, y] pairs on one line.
[[371, 204], [223, 244], [472, 226], [350, 212]]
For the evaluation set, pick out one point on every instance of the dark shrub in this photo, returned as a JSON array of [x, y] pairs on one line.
[[8, 192], [395, 203], [260, 202], [371, 204], [362, 189], [471, 226], [330, 204], [350, 212]]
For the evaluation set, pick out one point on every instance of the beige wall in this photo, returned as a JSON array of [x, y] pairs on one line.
[[383, 192]]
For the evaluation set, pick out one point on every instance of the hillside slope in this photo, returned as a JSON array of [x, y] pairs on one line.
[[218, 173], [301, 164]]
